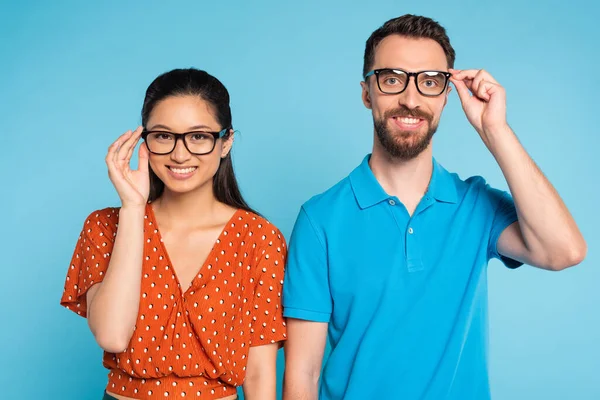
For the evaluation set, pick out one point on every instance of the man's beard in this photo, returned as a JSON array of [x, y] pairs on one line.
[[398, 144]]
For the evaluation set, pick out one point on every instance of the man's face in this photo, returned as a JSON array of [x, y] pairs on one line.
[[405, 123]]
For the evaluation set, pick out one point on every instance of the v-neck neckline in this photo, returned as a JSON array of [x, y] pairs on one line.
[[183, 291]]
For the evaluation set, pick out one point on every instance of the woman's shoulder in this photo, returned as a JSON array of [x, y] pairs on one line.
[[102, 221], [258, 226], [104, 215]]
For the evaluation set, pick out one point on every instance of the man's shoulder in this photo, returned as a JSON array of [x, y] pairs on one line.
[[469, 182], [474, 189], [334, 196]]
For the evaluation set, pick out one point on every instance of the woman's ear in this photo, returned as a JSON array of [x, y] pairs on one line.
[[228, 143]]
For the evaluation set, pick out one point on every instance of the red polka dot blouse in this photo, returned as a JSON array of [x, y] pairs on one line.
[[194, 342]]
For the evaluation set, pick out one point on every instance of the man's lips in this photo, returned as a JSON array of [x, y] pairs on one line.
[[408, 123]]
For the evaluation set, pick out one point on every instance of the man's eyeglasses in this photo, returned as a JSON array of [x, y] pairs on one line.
[[395, 81], [197, 142]]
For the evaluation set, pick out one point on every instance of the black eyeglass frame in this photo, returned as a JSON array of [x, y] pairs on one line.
[[378, 71], [182, 136]]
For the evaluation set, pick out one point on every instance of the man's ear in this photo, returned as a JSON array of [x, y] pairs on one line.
[[448, 90], [366, 96]]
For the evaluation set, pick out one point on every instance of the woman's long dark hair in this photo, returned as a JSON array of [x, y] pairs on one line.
[[181, 82]]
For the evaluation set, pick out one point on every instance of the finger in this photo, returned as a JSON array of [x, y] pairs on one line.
[[493, 90], [469, 84], [477, 82], [143, 155], [483, 75], [480, 77], [461, 89], [482, 90], [135, 138], [111, 150], [488, 77], [462, 74], [122, 143], [130, 152], [114, 147], [455, 73], [129, 143], [488, 89], [124, 153], [467, 81], [121, 139]]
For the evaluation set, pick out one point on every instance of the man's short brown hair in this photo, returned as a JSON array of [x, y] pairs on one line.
[[412, 26]]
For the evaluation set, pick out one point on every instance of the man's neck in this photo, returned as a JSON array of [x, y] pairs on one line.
[[407, 180]]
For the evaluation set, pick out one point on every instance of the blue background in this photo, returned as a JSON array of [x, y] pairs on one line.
[[72, 79]]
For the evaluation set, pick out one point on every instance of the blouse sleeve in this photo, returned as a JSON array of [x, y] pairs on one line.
[[90, 259], [268, 324]]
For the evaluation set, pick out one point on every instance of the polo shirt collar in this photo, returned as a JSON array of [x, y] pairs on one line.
[[368, 191], [442, 186]]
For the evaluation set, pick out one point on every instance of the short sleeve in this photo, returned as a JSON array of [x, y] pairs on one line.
[[268, 324], [90, 259], [306, 293], [504, 215]]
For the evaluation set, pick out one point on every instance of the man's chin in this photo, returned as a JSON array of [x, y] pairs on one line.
[[404, 154], [406, 147], [420, 132], [404, 144], [408, 139]]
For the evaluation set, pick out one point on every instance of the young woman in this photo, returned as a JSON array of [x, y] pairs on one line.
[[181, 285]]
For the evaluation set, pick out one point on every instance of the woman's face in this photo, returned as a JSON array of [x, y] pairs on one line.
[[180, 170]]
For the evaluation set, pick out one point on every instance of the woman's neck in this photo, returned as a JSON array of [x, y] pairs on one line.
[[198, 207]]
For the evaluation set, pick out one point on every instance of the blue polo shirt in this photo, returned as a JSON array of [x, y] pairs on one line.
[[405, 297]]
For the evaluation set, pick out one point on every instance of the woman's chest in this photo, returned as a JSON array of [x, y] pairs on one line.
[[215, 281]]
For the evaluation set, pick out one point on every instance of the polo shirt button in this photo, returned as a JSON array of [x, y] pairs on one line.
[[410, 230], [392, 202]]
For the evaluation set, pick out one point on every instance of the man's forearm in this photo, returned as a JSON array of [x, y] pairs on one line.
[[300, 386], [260, 388]]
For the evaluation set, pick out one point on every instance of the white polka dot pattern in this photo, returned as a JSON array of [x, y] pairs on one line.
[[190, 341]]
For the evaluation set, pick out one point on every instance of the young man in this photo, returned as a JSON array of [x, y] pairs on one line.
[[391, 261]]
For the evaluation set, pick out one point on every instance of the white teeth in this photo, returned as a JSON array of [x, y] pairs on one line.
[[409, 120], [182, 170]]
